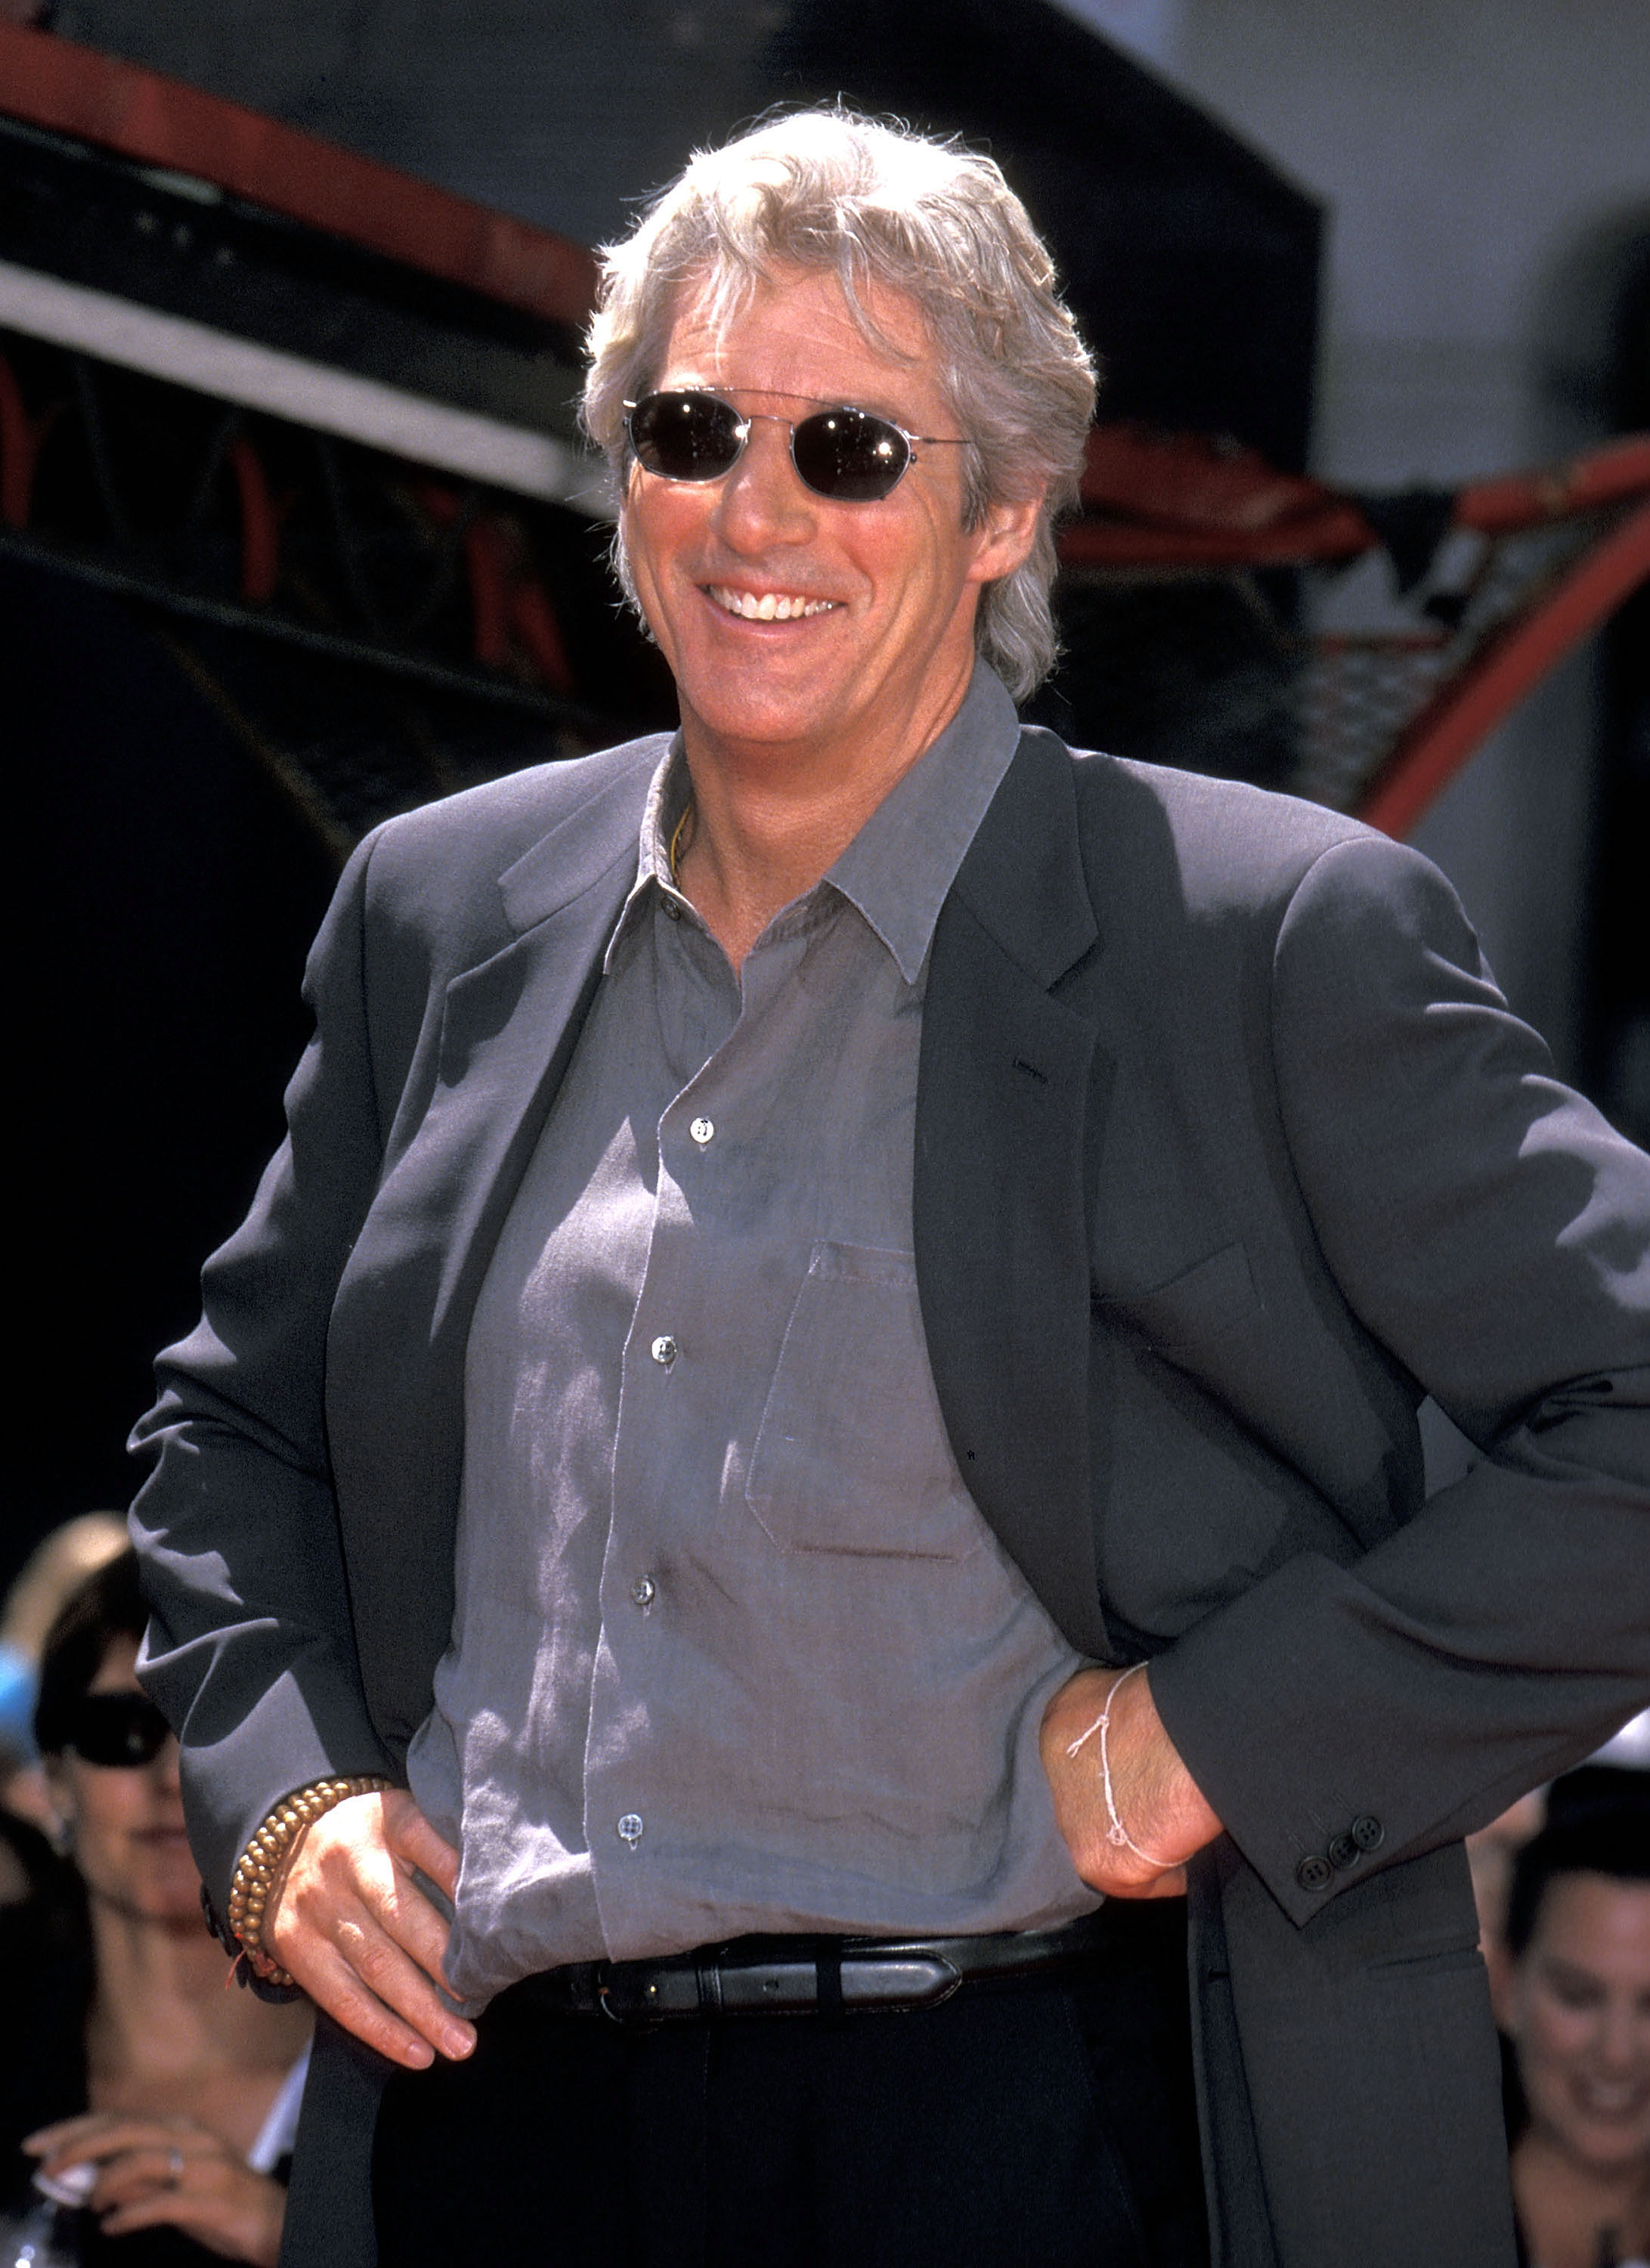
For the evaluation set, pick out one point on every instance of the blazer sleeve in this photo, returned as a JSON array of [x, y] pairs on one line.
[[1490, 1230], [250, 1650]]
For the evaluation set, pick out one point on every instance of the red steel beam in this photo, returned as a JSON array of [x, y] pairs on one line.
[[1336, 530], [1435, 745], [1604, 476], [159, 122]]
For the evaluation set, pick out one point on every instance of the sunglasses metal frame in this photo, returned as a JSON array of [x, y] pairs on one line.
[[744, 420], [135, 1711]]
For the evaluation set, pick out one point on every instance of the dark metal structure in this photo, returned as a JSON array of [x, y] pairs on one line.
[[296, 530]]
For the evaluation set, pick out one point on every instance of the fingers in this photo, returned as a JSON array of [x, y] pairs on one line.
[[97, 2136], [204, 2190], [153, 2172], [350, 1922], [1127, 1808], [412, 1838]]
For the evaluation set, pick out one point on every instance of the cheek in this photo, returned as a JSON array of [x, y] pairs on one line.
[[100, 1846], [1553, 2035]]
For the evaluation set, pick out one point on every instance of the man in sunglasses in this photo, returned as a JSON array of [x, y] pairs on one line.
[[829, 1401]]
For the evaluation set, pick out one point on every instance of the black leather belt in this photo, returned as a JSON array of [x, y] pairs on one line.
[[805, 1975]]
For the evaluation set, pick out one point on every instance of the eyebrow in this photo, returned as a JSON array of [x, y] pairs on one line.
[[781, 393]]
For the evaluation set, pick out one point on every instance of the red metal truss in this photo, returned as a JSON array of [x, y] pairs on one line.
[[1434, 746], [1168, 505], [54, 83]]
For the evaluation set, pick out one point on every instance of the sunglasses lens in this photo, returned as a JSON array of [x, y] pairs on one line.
[[118, 1728], [686, 436], [851, 456]]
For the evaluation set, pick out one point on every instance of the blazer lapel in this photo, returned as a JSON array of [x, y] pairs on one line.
[[1008, 1089], [401, 1322]]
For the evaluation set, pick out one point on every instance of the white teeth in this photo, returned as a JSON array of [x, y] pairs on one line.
[[770, 608]]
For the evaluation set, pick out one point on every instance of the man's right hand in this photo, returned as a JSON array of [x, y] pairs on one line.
[[348, 1921]]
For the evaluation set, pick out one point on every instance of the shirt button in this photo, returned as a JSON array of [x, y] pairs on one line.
[[644, 1590], [704, 1132], [664, 1350], [631, 1829]]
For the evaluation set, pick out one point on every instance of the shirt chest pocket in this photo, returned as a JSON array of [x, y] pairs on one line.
[[851, 1454]]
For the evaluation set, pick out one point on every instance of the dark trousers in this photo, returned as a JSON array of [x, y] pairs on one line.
[[1047, 2121]]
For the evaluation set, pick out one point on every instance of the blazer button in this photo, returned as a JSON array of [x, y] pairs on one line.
[[1368, 1833], [1344, 1852], [1315, 1873]]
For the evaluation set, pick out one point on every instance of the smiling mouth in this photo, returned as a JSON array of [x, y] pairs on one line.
[[769, 605], [1602, 2100]]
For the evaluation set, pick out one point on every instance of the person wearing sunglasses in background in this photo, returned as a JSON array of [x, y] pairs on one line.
[[151, 2106], [800, 1498]]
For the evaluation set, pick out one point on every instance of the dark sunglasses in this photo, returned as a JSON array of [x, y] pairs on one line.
[[846, 454], [117, 1728]]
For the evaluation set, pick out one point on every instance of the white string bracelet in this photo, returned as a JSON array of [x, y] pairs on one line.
[[1117, 1834]]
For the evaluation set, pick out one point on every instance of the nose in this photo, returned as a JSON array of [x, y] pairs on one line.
[[165, 1765], [763, 500]]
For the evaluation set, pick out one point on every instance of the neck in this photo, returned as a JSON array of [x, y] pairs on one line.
[[768, 822], [160, 2005], [1565, 2204]]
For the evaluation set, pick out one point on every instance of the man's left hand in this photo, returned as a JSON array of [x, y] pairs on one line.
[[1155, 1797]]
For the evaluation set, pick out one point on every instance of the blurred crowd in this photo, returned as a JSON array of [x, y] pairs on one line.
[[147, 2116]]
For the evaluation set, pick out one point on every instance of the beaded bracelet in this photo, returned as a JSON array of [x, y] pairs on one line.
[[1117, 1834], [263, 1858]]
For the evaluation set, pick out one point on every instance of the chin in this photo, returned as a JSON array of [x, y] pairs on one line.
[[1606, 2149]]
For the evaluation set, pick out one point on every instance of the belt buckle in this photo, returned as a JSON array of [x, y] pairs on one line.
[[627, 2020], [638, 1983]]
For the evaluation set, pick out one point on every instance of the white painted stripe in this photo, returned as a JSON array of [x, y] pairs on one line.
[[230, 369]]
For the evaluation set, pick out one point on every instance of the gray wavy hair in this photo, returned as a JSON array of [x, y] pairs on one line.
[[875, 204]]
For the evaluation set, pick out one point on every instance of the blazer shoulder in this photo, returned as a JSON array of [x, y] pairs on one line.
[[1155, 838], [441, 867]]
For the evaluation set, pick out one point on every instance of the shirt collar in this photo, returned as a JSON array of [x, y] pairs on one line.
[[899, 868], [666, 800]]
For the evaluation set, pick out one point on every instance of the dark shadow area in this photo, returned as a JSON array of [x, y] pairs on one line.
[[1618, 1040], [169, 891]]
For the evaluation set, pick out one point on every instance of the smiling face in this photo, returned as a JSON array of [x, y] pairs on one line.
[[1577, 2006], [804, 632], [126, 1820]]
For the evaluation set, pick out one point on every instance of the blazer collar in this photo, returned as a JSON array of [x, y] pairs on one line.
[[599, 831], [1012, 1081], [1023, 878]]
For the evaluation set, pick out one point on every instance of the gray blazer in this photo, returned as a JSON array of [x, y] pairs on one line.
[[1227, 1151]]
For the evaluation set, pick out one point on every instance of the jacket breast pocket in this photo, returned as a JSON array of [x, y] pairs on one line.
[[851, 1454], [1204, 1303]]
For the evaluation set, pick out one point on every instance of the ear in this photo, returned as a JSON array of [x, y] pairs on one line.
[[1503, 1994], [1003, 541], [56, 1816]]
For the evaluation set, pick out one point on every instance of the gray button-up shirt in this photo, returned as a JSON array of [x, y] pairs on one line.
[[734, 1649]]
